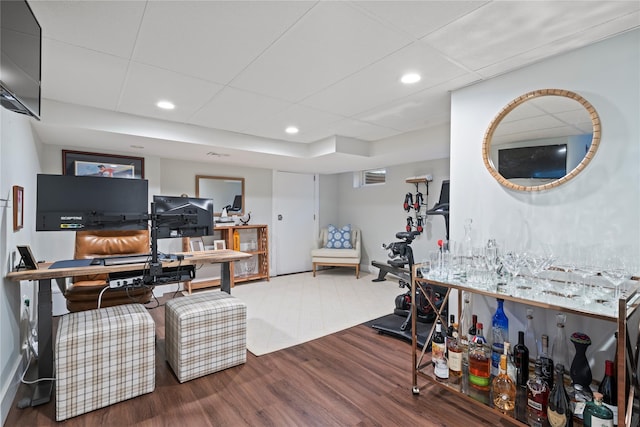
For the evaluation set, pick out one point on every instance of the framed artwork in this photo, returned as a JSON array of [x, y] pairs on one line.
[[196, 244], [18, 207], [82, 163], [219, 245]]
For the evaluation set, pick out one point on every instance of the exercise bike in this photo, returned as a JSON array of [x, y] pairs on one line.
[[399, 324]]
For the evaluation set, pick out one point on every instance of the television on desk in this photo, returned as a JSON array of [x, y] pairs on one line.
[[182, 216], [73, 203]]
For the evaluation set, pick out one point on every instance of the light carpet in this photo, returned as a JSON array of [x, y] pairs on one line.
[[293, 309]]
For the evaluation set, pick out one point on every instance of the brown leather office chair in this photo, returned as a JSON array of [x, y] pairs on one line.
[[85, 290]]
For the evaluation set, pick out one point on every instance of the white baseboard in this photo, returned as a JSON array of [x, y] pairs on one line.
[[10, 388]]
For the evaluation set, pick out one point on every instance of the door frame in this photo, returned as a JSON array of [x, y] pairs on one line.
[[274, 215]]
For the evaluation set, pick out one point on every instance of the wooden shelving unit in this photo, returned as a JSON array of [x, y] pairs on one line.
[[260, 254]]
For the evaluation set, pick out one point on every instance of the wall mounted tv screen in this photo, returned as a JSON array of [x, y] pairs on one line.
[[537, 162], [20, 50]]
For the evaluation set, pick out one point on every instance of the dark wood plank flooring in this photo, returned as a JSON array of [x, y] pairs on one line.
[[351, 378]]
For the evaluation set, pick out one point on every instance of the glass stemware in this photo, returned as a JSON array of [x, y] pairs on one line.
[[616, 273]]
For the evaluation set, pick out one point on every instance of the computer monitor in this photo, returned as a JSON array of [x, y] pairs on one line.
[[182, 216], [73, 203]]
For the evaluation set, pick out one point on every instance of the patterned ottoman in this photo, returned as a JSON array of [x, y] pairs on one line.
[[102, 357], [205, 333]]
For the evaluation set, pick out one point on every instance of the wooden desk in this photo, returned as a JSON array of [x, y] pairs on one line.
[[42, 392]]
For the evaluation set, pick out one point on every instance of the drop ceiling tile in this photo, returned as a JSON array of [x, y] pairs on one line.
[[146, 85], [213, 40], [80, 76], [235, 110], [361, 130], [105, 26], [380, 82], [419, 18], [328, 44], [501, 30], [305, 118]]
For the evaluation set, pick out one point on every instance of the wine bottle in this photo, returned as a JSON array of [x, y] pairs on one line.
[[503, 389], [454, 352], [473, 328], [546, 361], [558, 408], [596, 414], [438, 349], [452, 319], [521, 360], [609, 390]]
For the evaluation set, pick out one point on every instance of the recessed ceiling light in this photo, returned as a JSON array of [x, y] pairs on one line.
[[292, 130], [165, 105], [410, 78]]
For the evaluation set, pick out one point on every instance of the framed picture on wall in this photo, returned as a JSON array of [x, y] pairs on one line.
[[18, 207], [81, 163]]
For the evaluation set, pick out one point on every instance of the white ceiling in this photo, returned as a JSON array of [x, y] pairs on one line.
[[240, 72]]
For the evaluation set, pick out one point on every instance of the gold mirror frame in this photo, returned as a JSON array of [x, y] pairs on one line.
[[595, 142], [234, 183]]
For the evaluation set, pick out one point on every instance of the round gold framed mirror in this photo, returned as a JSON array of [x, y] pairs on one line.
[[541, 140]]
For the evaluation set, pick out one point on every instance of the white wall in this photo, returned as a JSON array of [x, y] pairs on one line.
[[378, 209], [19, 157], [601, 206]]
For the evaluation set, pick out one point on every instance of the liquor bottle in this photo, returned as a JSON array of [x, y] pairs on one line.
[[560, 347], [438, 349], [537, 398], [454, 351], [530, 336], [609, 390], [521, 360], [452, 319], [474, 327], [596, 414], [500, 334], [511, 367], [558, 408], [465, 320], [546, 361], [479, 361], [503, 389]]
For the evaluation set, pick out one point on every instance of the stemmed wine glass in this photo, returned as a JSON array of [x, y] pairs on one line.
[[513, 262], [539, 261], [615, 271]]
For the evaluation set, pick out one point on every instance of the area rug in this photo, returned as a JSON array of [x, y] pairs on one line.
[[293, 309]]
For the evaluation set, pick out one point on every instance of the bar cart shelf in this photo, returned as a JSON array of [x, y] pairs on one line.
[[625, 316]]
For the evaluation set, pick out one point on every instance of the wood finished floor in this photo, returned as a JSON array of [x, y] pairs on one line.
[[351, 378]]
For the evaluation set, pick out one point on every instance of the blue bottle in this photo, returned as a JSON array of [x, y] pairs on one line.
[[500, 334]]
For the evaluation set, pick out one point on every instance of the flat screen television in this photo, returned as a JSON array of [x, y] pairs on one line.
[[536, 162], [182, 216], [20, 58], [68, 202]]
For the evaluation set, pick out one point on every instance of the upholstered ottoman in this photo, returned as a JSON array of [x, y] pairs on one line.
[[102, 357], [205, 333]]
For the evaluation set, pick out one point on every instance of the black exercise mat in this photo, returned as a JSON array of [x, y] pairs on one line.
[[390, 325]]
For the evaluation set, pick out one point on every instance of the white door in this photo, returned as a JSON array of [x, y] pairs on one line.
[[295, 229]]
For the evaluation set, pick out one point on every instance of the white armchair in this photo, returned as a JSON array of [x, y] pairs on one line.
[[323, 256]]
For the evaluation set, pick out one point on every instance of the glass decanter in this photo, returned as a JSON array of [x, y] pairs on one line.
[[560, 346]]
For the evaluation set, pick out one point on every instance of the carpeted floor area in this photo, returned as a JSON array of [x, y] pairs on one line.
[[292, 309]]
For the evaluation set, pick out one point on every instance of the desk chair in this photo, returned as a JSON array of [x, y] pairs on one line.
[[85, 290], [442, 207]]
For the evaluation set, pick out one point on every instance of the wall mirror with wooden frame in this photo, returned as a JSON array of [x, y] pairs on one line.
[[226, 192], [541, 140]]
